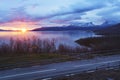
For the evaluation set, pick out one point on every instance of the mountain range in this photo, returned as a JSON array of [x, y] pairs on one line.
[[77, 26], [109, 30], [102, 29], [65, 28], [5, 30], [1, 30]]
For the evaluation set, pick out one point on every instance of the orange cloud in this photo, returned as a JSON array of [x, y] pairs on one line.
[[18, 25]]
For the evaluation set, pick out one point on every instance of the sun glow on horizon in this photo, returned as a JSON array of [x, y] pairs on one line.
[[23, 30], [19, 26]]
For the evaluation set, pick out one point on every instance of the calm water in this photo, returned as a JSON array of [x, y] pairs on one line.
[[65, 37]]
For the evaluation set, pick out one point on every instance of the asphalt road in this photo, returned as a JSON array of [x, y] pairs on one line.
[[57, 69]]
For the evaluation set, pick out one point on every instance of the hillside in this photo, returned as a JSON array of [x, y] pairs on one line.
[[101, 43], [65, 28], [110, 30], [1, 30]]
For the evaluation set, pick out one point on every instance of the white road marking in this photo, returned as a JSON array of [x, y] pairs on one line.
[[96, 63], [16, 68], [47, 79], [90, 71], [72, 74], [67, 75], [26, 73], [111, 68]]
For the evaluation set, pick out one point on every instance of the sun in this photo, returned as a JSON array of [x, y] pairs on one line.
[[23, 30]]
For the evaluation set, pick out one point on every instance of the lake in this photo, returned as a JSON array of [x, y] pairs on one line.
[[64, 37]]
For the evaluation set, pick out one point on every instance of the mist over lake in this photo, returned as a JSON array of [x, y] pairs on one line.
[[65, 37]]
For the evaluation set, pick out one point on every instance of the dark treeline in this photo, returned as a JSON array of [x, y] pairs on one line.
[[101, 43], [36, 46]]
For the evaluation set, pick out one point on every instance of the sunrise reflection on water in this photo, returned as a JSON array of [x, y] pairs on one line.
[[60, 36]]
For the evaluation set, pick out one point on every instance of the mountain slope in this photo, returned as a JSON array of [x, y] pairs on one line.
[[110, 30], [65, 28], [1, 30]]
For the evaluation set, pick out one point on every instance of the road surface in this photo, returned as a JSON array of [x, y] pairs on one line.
[[58, 69]]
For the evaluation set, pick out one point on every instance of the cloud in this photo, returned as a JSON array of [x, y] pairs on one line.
[[57, 12]]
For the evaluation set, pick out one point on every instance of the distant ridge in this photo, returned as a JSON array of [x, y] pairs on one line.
[[65, 28], [110, 30], [2, 30]]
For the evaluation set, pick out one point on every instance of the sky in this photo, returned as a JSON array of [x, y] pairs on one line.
[[30, 14]]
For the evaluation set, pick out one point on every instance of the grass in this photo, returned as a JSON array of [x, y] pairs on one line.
[[98, 75], [27, 60], [27, 52], [14, 61]]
